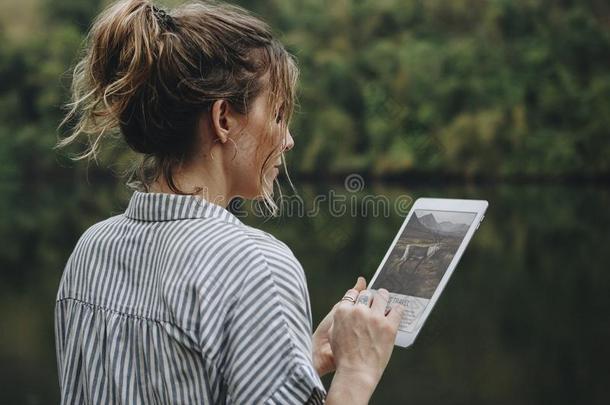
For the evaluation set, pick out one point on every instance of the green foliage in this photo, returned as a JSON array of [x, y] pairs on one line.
[[467, 87]]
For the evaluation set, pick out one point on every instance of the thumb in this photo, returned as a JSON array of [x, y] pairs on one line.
[[360, 284]]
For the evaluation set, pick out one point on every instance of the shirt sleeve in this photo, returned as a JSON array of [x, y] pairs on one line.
[[267, 357]]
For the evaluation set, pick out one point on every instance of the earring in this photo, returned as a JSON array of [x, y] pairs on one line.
[[234, 143]]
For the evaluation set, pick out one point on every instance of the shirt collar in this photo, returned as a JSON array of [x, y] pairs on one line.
[[170, 207]]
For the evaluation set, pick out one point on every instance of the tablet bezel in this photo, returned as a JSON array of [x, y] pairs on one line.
[[405, 339]]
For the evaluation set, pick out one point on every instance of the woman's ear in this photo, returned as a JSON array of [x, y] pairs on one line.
[[223, 119]]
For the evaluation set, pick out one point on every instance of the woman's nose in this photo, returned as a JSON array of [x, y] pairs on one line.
[[289, 142]]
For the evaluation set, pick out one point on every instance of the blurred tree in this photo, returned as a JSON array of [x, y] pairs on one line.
[[470, 88]]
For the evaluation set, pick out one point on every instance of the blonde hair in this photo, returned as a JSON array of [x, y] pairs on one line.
[[150, 74]]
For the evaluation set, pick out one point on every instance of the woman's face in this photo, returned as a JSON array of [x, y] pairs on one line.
[[260, 144]]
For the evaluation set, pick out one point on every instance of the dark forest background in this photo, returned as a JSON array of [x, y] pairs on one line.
[[466, 88], [504, 100]]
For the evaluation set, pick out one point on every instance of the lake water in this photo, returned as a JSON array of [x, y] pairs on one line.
[[525, 318]]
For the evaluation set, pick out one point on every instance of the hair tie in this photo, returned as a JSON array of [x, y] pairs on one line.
[[166, 20]]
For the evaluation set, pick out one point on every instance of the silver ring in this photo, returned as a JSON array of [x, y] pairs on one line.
[[364, 299], [349, 298]]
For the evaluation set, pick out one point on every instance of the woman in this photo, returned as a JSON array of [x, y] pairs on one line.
[[176, 300]]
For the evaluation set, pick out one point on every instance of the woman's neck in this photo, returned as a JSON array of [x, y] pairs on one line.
[[206, 178]]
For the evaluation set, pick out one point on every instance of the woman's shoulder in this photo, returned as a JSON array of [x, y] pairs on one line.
[[106, 228], [244, 236], [240, 253], [271, 247], [259, 236], [196, 233]]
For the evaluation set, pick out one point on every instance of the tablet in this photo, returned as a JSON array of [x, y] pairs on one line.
[[424, 253]]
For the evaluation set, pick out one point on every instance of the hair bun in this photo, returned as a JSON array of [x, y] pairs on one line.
[[164, 18]]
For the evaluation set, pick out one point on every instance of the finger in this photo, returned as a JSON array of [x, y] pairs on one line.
[[364, 298], [380, 301], [395, 315], [360, 284], [350, 297]]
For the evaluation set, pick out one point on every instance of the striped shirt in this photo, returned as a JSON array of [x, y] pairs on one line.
[[176, 301]]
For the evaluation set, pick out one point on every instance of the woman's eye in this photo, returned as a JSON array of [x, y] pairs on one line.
[[280, 115]]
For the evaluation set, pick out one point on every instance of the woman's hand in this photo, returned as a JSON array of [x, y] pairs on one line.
[[323, 359], [362, 340]]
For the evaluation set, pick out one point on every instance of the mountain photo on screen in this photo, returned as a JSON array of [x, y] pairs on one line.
[[423, 253]]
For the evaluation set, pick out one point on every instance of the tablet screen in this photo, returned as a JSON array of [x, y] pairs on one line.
[[420, 258]]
